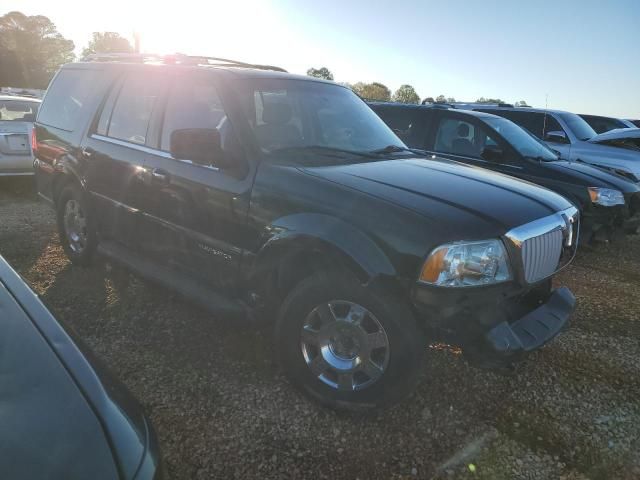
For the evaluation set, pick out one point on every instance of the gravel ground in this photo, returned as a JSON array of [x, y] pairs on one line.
[[222, 409]]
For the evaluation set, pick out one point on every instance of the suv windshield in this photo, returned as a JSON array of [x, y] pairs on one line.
[[299, 114], [581, 129], [524, 142], [18, 111]]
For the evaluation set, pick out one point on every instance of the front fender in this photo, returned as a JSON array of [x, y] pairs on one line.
[[326, 234]]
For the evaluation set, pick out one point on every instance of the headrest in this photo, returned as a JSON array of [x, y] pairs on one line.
[[276, 112], [463, 130]]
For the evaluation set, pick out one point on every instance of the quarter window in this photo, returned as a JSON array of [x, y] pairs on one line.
[[67, 98]]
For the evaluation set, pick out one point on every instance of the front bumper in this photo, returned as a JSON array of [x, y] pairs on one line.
[[495, 328], [599, 222], [507, 341]]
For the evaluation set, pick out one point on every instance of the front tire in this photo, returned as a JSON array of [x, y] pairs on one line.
[[75, 226], [347, 347]]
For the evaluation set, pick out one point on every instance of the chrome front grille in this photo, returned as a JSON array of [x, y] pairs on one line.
[[541, 255], [546, 245]]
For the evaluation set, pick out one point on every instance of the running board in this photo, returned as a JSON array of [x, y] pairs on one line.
[[176, 281]]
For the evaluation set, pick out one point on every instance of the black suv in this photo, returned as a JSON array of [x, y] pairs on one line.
[[257, 192], [606, 200]]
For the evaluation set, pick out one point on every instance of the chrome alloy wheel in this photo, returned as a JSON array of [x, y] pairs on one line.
[[75, 226], [344, 345]]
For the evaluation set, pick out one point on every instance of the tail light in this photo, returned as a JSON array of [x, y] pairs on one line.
[[34, 141]]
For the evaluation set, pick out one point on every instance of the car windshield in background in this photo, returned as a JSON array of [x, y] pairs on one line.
[[580, 128], [524, 142], [293, 115], [18, 111]]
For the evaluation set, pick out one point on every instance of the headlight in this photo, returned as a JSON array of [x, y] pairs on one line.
[[606, 196], [466, 264]]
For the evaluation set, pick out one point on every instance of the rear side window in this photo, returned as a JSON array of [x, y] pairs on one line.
[[67, 97], [129, 120]]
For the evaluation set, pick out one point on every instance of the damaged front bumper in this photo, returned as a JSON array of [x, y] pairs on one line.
[[497, 327], [506, 341]]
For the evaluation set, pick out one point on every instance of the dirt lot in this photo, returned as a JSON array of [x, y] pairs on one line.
[[222, 410]]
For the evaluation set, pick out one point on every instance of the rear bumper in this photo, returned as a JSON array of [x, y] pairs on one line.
[[16, 164]]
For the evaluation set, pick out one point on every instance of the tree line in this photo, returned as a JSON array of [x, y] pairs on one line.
[[377, 91], [32, 50]]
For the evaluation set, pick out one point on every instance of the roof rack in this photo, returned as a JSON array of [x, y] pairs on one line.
[[175, 59]]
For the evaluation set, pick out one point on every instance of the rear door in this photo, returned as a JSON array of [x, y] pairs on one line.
[[194, 215], [115, 152], [464, 138]]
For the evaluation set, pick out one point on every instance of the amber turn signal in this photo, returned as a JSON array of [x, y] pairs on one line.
[[433, 266]]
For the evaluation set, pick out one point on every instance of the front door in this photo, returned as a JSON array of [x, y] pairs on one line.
[[195, 215]]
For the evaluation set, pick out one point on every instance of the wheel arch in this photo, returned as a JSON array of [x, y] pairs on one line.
[[301, 244]]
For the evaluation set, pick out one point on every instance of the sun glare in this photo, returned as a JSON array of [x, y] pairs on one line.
[[225, 29]]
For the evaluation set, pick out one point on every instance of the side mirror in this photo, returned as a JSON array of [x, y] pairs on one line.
[[492, 153], [556, 136], [199, 145]]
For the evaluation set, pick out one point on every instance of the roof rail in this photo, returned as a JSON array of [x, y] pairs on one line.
[[174, 59]]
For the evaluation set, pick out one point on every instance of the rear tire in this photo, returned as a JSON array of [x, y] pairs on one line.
[[75, 226], [347, 347]]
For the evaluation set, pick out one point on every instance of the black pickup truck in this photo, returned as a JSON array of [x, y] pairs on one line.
[[260, 193], [608, 202]]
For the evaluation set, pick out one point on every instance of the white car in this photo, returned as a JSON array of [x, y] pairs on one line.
[[17, 115]]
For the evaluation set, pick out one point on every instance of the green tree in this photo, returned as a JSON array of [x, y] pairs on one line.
[[107, 42], [31, 50], [489, 100], [441, 99], [322, 72], [429, 100], [372, 91], [521, 103], [406, 94]]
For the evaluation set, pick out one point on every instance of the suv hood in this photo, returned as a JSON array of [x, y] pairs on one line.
[[458, 197], [594, 176], [617, 134]]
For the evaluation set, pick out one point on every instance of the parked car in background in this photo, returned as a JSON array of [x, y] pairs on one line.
[[256, 192], [605, 200], [603, 124], [63, 415], [572, 137], [17, 115]]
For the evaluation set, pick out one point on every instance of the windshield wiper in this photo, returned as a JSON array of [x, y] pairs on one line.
[[397, 149], [540, 158], [326, 149]]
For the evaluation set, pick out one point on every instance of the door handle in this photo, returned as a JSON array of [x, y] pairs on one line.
[[160, 176]]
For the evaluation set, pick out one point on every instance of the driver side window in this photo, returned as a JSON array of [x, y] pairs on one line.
[[458, 137]]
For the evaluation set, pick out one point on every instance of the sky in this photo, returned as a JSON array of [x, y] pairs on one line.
[[576, 55]]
